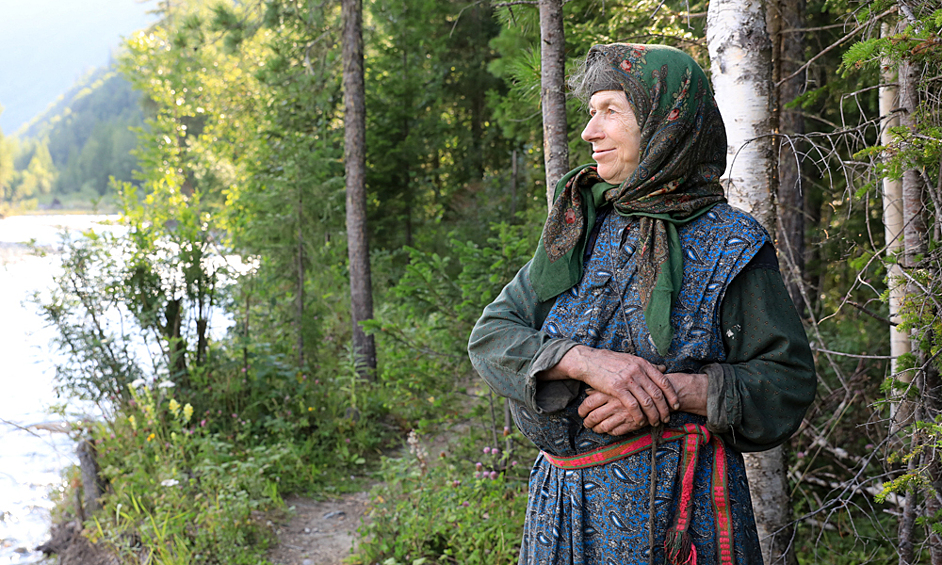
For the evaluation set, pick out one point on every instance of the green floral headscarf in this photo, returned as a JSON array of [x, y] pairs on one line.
[[682, 158]]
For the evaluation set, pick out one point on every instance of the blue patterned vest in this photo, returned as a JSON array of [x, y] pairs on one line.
[[717, 246]]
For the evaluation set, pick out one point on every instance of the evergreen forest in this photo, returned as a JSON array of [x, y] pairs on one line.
[[219, 134], [69, 153]]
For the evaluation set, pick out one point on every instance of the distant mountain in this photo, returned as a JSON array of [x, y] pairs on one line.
[[46, 45], [81, 141]]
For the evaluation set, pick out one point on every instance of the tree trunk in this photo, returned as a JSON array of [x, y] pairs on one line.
[[553, 94], [91, 479], [361, 287], [914, 223], [741, 64], [300, 279], [893, 233], [787, 51]]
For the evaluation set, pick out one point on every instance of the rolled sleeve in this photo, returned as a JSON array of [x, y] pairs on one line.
[[508, 350], [758, 397]]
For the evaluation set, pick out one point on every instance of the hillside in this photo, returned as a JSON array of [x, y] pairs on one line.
[[70, 151]]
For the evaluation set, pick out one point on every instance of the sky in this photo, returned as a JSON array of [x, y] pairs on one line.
[[46, 45]]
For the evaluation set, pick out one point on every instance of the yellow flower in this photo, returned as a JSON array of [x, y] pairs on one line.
[[310, 408], [151, 436], [133, 421], [174, 407], [173, 436], [187, 412]]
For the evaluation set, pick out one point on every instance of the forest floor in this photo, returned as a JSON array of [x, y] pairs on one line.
[[320, 532], [324, 532]]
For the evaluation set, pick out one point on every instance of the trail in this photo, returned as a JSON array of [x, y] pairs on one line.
[[319, 532]]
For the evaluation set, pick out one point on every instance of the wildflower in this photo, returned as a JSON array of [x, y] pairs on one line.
[[479, 465], [487, 450], [456, 483], [133, 422], [187, 412], [173, 436], [138, 383], [169, 483], [174, 407], [166, 384], [151, 436], [466, 504], [493, 475], [495, 451], [513, 463], [506, 431], [203, 423], [310, 408], [477, 475]]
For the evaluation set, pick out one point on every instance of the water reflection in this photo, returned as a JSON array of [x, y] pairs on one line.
[[31, 460]]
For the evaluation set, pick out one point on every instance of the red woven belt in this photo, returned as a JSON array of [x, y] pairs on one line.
[[677, 544]]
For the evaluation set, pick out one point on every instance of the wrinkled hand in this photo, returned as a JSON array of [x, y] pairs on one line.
[[646, 395], [604, 414]]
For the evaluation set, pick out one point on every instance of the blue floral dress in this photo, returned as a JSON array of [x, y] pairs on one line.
[[602, 515]]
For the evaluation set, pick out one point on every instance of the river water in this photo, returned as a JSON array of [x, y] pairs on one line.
[[31, 459]]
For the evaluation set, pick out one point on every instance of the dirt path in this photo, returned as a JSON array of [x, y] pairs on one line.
[[319, 532]]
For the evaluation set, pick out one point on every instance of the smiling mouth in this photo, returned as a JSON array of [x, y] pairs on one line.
[[599, 153]]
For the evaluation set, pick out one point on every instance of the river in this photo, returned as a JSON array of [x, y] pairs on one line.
[[31, 460]]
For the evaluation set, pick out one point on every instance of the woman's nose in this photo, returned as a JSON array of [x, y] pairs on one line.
[[591, 132]]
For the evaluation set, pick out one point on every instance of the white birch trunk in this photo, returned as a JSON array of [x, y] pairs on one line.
[[741, 62], [893, 227]]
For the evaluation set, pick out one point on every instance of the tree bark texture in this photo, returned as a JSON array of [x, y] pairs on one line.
[[741, 64], [787, 52], [361, 287], [893, 233], [914, 223], [553, 94]]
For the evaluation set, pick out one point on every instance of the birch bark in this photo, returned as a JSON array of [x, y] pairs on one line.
[[553, 94], [893, 227], [741, 64], [361, 287]]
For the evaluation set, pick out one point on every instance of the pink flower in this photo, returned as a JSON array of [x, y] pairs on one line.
[[493, 475], [487, 451], [513, 463], [203, 424], [477, 475], [478, 465]]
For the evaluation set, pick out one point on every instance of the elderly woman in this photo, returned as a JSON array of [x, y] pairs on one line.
[[650, 340]]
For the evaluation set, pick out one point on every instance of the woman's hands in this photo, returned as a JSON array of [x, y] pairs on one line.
[[645, 394], [628, 392]]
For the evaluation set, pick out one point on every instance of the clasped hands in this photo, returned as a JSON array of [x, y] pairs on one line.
[[627, 392]]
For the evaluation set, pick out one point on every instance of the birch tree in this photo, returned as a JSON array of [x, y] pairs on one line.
[[741, 63], [553, 94], [361, 287]]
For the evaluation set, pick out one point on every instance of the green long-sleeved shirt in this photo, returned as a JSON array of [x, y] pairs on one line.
[[756, 398]]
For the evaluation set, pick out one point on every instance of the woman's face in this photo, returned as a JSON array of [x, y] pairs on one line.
[[614, 134]]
